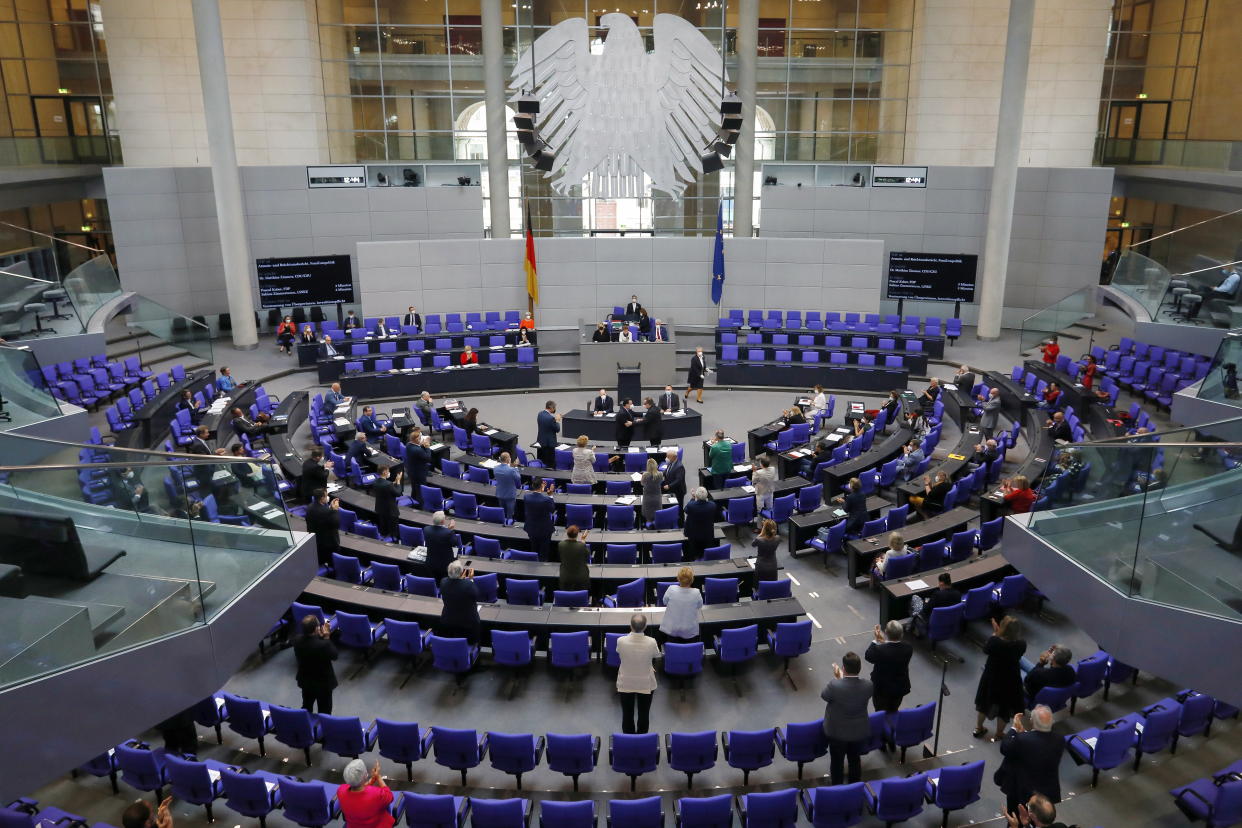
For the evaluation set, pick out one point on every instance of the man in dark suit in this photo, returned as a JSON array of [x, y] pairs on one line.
[[549, 425], [315, 653], [653, 422], [460, 597], [540, 510], [314, 474], [890, 675], [129, 493], [892, 406], [417, 461], [669, 401], [1053, 670], [1032, 760], [324, 520], [675, 477], [204, 471], [352, 321], [414, 318], [370, 425], [946, 595], [357, 450], [846, 722], [1038, 812], [327, 350], [1059, 428], [244, 425], [633, 308], [625, 424], [602, 403], [439, 538]]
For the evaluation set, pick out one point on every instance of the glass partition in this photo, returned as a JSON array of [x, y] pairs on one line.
[[188, 334], [103, 548], [1221, 382], [1142, 279], [24, 395], [1057, 317], [90, 285], [1156, 516], [1206, 155]]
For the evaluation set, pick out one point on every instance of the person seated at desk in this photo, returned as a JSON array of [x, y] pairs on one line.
[[528, 322], [930, 394], [468, 357], [333, 398], [946, 595], [910, 459], [985, 452], [659, 333], [189, 402], [1058, 428], [414, 318], [327, 350], [892, 405], [644, 326], [307, 337], [1018, 494], [285, 333], [1053, 670], [918, 424], [1228, 287], [625, 335], [523, 340], [1052, 397], [794, 416], [225, 382], [381, 329], [357, 450], [351, 321], [424, 406], [934, 490], [822, 453], [370, 426], [819, 401], [896, 547], [602, 404], [225, 504], [669, 401], [245, 469], [601, 333], [1068, 464], [244, 425], [129, 493], [855, 505], [470, 422]]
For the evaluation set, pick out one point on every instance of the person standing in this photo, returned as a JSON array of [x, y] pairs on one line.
[[315, 652], [634, 307], [549, 425], [698, 371], [653, 423], [324, 520], [890, 671], [540, 510], [720, 459], [414, 318], [1032, 760], [855, 504], [584, 462], [364, 797], [767, 542], [314, 473], [417, 461], [508, 480], [625, 424], [846, 722], [575, 558], [1051, 350], [386, 490], [763, 478], [1000, 694], [653, 488], [675, 476], [991, 412], [439, 540], [700, 526], [636, 679], [682, 602], [459, 617]]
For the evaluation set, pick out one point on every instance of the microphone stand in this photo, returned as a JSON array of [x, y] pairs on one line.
[[944, 693]]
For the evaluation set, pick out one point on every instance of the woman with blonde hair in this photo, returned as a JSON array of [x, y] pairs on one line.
[[584, 462], [682, 603], [653, 486], [896, 548]]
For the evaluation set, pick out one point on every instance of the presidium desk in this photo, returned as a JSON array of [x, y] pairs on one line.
[[598, 361]]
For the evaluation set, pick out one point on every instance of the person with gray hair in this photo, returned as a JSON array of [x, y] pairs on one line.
[[636, 677], [1032, 760], [459, 617], [700, 527], [440, 542], [890, 670], [365, 797], [1053, 670]]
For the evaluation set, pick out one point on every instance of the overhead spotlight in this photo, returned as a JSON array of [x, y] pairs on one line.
[[729, 136], [527, 104], [526, 137], [732, 123], [524, 121], [544, 160], [731, 104], [712, 162], [723, 148]]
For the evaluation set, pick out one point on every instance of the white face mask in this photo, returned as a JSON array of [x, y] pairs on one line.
[[129, 475]]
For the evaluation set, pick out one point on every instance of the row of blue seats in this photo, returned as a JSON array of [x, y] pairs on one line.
[[804, 340], [434, 324], [390, 346], [731, 353], [1215, 799], [834, 321], [89, 384], [525, 356]]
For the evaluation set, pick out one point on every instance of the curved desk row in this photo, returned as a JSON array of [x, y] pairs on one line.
[[333, 368], [806, 375], [154, 418], [933, 346], [604, 428], [958, 457], [308, 353], [379, 604], [913, 361], [862, 552], [449, 380], [973, 572]]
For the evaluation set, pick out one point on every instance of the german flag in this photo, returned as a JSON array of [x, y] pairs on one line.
[[532, 274]]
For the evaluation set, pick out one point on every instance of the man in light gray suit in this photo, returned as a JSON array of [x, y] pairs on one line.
[[846, 721], [991, 411]]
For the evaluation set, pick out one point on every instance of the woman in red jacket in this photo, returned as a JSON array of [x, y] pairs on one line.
[[1088, 373], [285, 332], [364, 799], [469, 357], [1018, 494]]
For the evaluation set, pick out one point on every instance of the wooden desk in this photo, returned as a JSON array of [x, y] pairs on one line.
[[861, 552], [976, 571]]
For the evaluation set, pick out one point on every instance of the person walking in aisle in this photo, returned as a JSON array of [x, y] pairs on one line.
[[698, 372], [636, 681]]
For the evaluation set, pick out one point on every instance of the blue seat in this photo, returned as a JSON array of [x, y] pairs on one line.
[[514, 753], [666, 553], [406, 638], [458, 750], [953, 788], [620, 518], [554, 814], [246, 716], [945, 622], [253, 795], [194, 782], [523, 592], [911, 726], [1155, 728], [720, 590], [359, 632], [309, 804], [453, 655], [738, 644], [896, 799], [346, 735], [775, 809], [749, 750], [634, 754], [636, 813], [630, 594], [571, 598], [1101, 749], [789, 640], [569, 650], [770, 590], [683, 660], [621, 553], [403, 743], [810, 498], [691, 753], [802, 742], [704, 811], [294, 727], [572, 754], [1215, 801], [836, 806], [782, 508]]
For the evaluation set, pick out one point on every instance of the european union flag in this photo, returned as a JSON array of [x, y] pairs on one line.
[[718, 257]]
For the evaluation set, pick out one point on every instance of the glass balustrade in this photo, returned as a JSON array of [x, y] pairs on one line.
[[103, 548], [1220, 384], [24, 395], [1144, 280], [188, 334], [1057, 317], [1206, 155]]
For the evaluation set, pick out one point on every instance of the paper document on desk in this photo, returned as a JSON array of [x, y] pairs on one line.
[[949, 386], [742, 467], [627, 500], [748, 489], [261, 505], [636, 477], [681, 413], [918, 583], [489, 432], [490, 464], [418, 553]]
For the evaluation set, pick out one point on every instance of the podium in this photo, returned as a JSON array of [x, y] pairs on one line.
[[629, 384]]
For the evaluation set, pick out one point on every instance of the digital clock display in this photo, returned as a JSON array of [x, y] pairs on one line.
[[912, 180], [336, 176], [898, 176]]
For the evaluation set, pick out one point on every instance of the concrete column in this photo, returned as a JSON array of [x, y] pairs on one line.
[[1005, 166], [494, 101], [744, 153], [225, 177]]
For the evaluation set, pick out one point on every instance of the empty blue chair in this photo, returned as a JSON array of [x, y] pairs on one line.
[[1054, 698], [691, 753], [346, 735], [683, 660], [666, 553], [621, 553], [945, 622], [359, 632], [195, 782], [571, 598], [294, 727], [770, 590], [453, 655], [569, 650], [1155, 728], [912, 726], [789, 640], [896, 799], [458, 750], [782, 508], [718, 553], [620, 518], [704, 811], [738, 644], [572, 754], [1196, 715], [630, 594], [802, 742], [253, 795], [1212, 799], [105, 763], [1091, 674], [636, 813], [386, 576], [953, 788], [775, 809], [246, 716], [309, 804], [720, 590], [523, 592], [142, 768], [554, 814], [749, 750], [514, 753], [836, 806], [406, 638], [634, 754], [402, 742], [1107, 748]]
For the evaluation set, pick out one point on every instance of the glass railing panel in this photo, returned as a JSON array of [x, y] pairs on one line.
[[1220, 384], [1207, 155], [24, 395], [84, 149], [1143, 279], [1057, 317], [26, 309], [92, 284], [190, 335], [102, 548]]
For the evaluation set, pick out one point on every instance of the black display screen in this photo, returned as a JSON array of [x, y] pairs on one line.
[[935, 277], [305, 280]]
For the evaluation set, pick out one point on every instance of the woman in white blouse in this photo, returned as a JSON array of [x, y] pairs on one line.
[[625, 335], [636, 679], [819, 401], [682, 602], [896, 548]]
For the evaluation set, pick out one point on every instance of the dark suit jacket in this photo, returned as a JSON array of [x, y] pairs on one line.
[[325, 522], [653, 425], [669, 401], [701, 521], [964, 382], [1048, 676], [574, 572], [352, 322], [461, 604], [370, 425], [415, 319], [314, 476], [324, 353], [386, 493], [1032, 764], [607, 404], [845, 714], [1061, 431], [941, 598], [548, 429], [855, 511], [633, 307], [315, 656], [417, 459], [539, 511], [439, 540], [698, 367], [675, 479], [202, 473], [624, 432], [357, 451], [891, 673]]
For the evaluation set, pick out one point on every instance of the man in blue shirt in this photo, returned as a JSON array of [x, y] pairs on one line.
[[549, 426], [225, 382], [333, 398], [369, 425], [326, 349], [1228, 288], [508, 481]]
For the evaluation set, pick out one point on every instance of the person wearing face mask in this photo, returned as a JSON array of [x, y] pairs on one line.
[[698, 372], [633, 309], [602, 403]]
